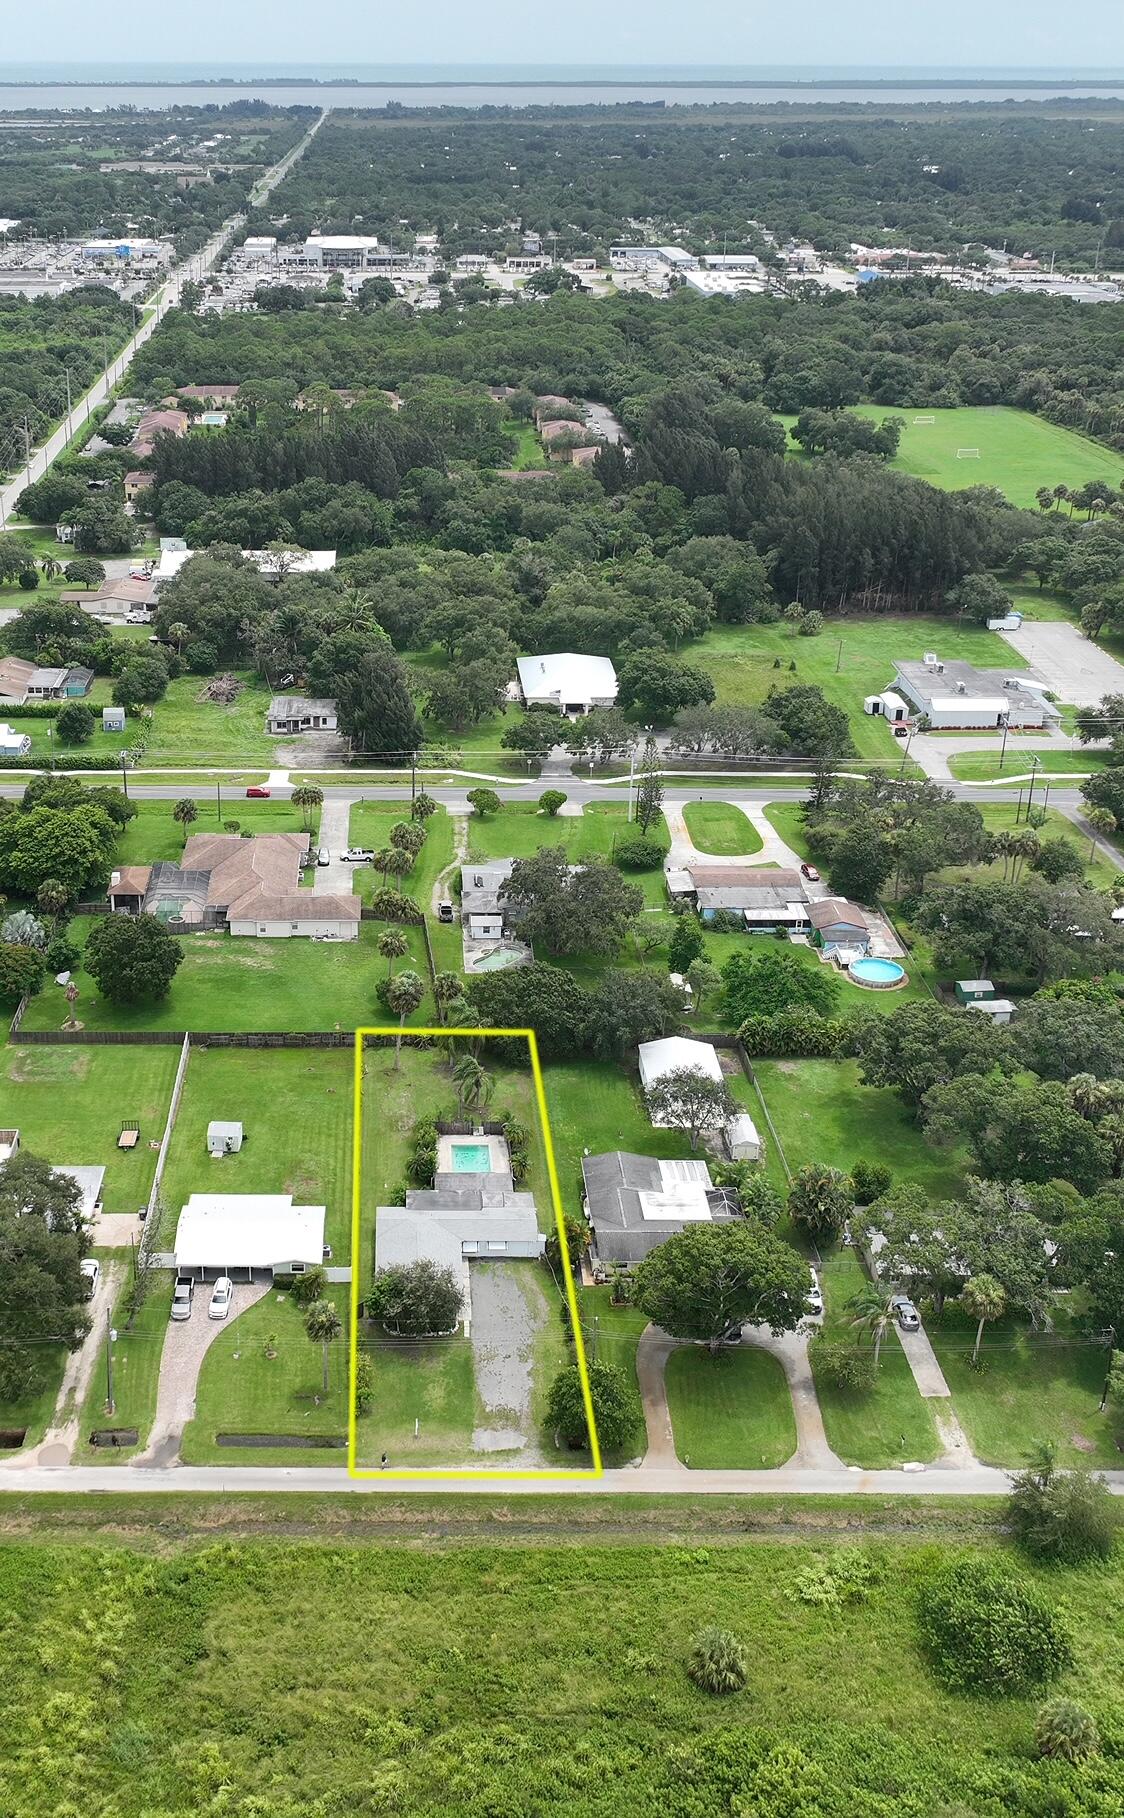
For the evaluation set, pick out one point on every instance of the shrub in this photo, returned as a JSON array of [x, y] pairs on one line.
[[310, 1286], [849, 1367], [870, 1181], [364, 1385], [75, 724], [29, 579], [419, 1299], [1065, 1732], [616, 1407], [62, 956], [987, 1631], [797, 1033], [717, 1662], [637, 855], [551, 800], [1061, 1517], [393, 906]]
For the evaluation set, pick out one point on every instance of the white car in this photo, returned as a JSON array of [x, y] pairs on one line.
[[221, 1296], [90, 1271], [814, 1300], [358, 855], [323, 856]]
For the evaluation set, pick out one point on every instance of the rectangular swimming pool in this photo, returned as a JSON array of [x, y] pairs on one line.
[[471, 1158]]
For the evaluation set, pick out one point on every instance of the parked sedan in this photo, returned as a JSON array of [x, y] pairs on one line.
[[221, 1297], [906, 1313], [258, 791], [182, 1299], [809, 871]]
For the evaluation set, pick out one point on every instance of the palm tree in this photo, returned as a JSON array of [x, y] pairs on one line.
[[1001, 848], [392, 944], [71, 1000], [872, 1309], [404, 993], [447, 986], [1025, 848], [1103, 822], [408, 836], [179, 634], [185, 811], [323, 1325], [307, 797], [984, 1299], [392, 862], [50, 568], [474, 1086], [52, 897]]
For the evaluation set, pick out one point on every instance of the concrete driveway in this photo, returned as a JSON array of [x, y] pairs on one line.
[[1076, 669], [505, 1323], [338, 878], [186, 1343]]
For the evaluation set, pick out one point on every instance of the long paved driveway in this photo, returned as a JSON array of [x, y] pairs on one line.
[[338, 877]]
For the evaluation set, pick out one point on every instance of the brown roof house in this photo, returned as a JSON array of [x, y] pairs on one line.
[[15, 675], [837, 923], [248, 887]]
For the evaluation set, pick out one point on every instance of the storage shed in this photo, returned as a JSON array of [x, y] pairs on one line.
[[223, 1138], [973, 990]]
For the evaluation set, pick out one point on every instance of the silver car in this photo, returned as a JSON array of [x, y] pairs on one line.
[[906, 1313], [182, 1298]]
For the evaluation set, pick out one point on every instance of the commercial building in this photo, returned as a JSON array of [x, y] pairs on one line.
[[571, 682], [666, 258], [958, 694], [340, 252]]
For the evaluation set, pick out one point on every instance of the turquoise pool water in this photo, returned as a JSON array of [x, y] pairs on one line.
[[471, 1158], [876, 971]]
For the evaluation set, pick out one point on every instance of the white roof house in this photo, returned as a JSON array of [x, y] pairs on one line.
[[572, 682], [13, 743], [248, 1233], [89, 1181], [267, 561]]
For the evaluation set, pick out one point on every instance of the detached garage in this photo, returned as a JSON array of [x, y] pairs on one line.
[[247, 1235]]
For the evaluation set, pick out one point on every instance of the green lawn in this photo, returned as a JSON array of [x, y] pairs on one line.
[[370, 826], [241, 1390], [1032, 1386], [428, 1381], [528, 448], [186, 730], [850, 659], [519, 829], [45, 742], [440, 1669], [70, 1102], [234, 984], [295, 1108], [730, 1412], [823, 1114], [153, 834], [610, 1334], [596, 1105], [999, 817], [892, 1425], [983, 766], [720, 828], [33, 1411], [787, 819], [136, 1374], [1018, 452]]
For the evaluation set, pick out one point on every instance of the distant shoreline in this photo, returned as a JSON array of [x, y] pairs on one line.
[[1037, 84]]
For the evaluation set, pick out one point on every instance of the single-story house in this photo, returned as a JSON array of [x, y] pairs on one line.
[[549, 405], [837, 923], [246, 1235], [15, 674], [13, 743], [767, 897], [113, 599], [463, 1218], [249, 887], [210, 394], [570, 682], [89, 1182], [9, 1144], [223, 1138], [137, 481], [957, 694], [634, 1203], [270, 562], [998, 1010], [973, 990], [290, 713], [484, 913], [65, 684]]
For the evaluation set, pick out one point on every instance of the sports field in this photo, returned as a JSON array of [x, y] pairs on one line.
[[1018, 452]]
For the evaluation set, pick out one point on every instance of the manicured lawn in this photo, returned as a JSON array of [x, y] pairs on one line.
[[730, 1412], [891, 1425], [69, 1104], [241, 1390], [136, 1374], [370, 826], [983, 766], [528, 448], [45, 741], [787, 819], [610, 1334], [720, 828], [153, 834], [527, 1613], [430, 1381], [823, 1114], [849, 660], [186, 730], [1018, 452], [596, 1105], [999, 817], [234, 984], [295, 1108], [1032, 1386], [520, 829]]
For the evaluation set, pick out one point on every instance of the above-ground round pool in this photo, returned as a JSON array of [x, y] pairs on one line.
[[878, 974]]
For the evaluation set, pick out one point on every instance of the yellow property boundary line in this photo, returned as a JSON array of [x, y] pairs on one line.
[[482, 1474]]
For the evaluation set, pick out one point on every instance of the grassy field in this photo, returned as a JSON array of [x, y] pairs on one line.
[[531, 1669], [1032, 1386], [849, 660], [1018, 452], [136, 1373], [983, 766], [720, 828], [730, 1412], [519, 830], [234, 984], [186, 730], [295, 1108], [153, 834], [891, 1425], [370, 826], [243, 1390], [70, 1102], [823, 1114], [528, 448]]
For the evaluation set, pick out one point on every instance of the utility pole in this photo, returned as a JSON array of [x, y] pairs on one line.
[[1003, 748], [413, 777], [110, 1341], [218, 800], [124, 777]]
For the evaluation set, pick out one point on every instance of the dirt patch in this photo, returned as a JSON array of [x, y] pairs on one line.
[[1080, 1444], [226, 956], [31, 1064]]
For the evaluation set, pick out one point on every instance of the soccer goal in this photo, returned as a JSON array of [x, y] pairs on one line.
[[924, 420], [967, 454]]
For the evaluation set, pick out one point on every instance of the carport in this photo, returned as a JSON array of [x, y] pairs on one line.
[[247, 1236]]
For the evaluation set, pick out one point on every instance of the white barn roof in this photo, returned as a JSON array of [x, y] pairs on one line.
[[673, 1052], [248, 1231]]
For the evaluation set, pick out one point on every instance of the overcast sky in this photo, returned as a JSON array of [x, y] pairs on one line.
[[962, 33]]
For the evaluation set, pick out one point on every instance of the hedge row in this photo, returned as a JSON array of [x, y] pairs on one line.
[[797, 1034], [67, 760]]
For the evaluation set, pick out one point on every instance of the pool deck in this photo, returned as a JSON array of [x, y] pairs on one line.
[[493, 1148]]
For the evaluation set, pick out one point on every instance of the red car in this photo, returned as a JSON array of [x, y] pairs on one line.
[[257, 789], [810, 872]]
